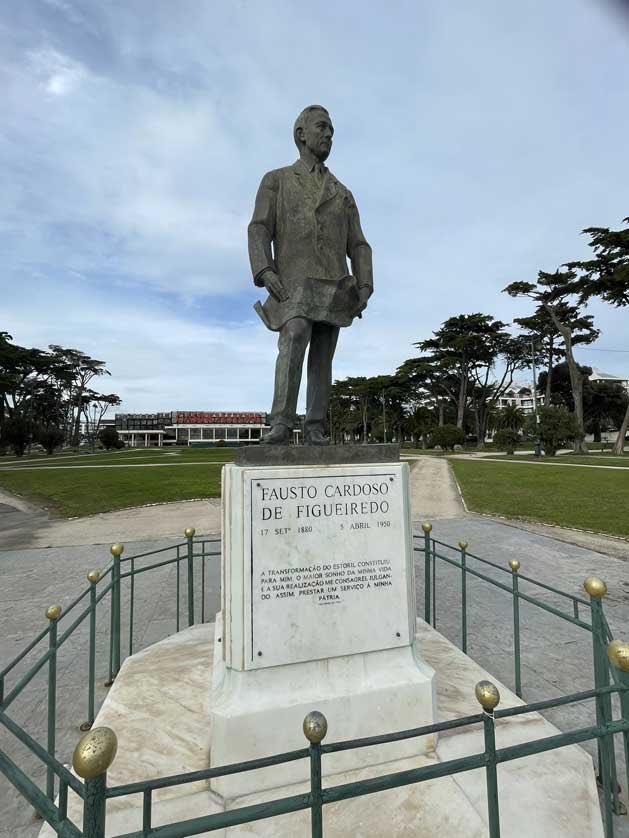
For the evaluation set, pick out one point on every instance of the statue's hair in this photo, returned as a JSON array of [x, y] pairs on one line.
[[301, 120]]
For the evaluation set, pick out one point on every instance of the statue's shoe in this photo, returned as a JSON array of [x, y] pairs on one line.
[[316, 437], [278, 435]]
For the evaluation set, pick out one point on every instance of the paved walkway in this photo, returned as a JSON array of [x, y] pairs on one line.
[[556, 656], [434, 491], [28, 527]]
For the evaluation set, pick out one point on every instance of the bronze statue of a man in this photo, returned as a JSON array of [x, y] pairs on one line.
[[305, 223]]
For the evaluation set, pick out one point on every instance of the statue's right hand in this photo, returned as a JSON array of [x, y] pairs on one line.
[[274, 286]]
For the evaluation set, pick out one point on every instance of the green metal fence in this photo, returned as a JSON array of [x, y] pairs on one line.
[[116, 586], [433, 552]]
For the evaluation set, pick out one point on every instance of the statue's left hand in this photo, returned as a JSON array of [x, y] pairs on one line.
[[363, 295]]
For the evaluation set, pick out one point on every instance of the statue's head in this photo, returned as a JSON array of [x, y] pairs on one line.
[[313, 129]]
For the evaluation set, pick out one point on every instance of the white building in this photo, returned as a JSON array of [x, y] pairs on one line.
[[199, 427], [599, 375], [191, 427], [521, 395]]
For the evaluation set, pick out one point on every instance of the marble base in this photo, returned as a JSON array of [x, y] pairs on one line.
[[262, 711], [160, 704]]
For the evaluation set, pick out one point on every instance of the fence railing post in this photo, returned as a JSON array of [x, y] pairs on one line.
[[488, 697], [53, 612], [463, 548], [315, 729], [427, 529], [189, 533], [514, 564], [92, 757], [597, 589], [618, 654], [131, 603], [92, 577], [116, 551]]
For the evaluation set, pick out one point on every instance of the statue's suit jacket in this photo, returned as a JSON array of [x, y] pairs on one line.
[[302, 229]]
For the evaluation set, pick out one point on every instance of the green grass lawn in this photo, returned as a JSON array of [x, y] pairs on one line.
[[590, 499], [87, 490], [128, 455]]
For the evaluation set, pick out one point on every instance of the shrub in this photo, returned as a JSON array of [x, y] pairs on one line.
[[447, 436], [50, 438], [220, 443], [506, 440], [17, 433]]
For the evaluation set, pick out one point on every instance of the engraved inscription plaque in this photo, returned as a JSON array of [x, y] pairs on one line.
[[328, 562]]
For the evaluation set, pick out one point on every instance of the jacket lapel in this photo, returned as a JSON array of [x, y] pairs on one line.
[[329, 188], [301, 173], [304, 178]]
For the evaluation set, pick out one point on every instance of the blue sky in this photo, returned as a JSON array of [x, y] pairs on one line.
[[478, 140]]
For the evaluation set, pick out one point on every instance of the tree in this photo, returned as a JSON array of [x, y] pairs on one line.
[[447, 437], [546, 339], [606, 276], [557, 427], [41, 392], [388, 401], [430, 380], [82, 369], [552, 292], [510, 417], [95, 406], [109, 438], [23, 372], [467, 349], [562, 393], [455, 347], [500, 349], [349, 408], [605, 405], [604, 402]]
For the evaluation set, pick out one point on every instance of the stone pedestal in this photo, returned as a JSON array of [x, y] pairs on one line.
[[318, 613], [159, 707]]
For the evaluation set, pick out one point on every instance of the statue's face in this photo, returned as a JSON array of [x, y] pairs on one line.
[[317, 134]]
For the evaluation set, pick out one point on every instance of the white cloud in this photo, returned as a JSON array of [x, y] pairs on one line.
[[476, 140], [59, 74], [135, 180]]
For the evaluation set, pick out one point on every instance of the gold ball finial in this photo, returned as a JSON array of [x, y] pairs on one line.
[[315, 727], [463, 545], [53, 612], [93, 576], [595, 587], [514, 564], [116, 549], [427, 527], [189, 533], [618, 653], [487, 695], [95, 752]]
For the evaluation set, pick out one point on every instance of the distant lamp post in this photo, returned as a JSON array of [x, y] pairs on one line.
[[384, 417], [538, 446]]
